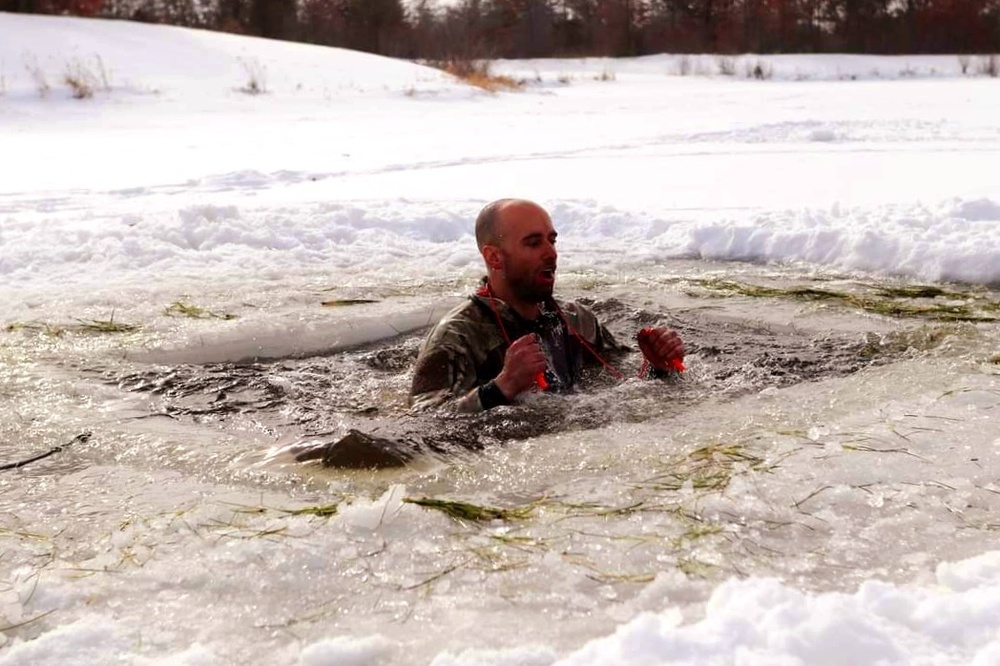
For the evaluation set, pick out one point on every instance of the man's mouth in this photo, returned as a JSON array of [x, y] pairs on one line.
[[547, 274]]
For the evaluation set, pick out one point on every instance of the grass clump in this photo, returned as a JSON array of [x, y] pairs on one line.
[[888, 301], [759, 69], [467, 511], [606, 75], [989, 65], [106, 326], [83, 78], [256, 77], [37, 75], [726, 65], [694, 568], [478, 73], [182, 309], [37, 326], [323, 511], [710, 467], [684, 66], [84, 326]]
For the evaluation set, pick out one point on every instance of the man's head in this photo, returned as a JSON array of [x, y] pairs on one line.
[[517, 241]]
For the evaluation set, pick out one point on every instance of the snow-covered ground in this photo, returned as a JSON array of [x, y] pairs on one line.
[[352, 175]]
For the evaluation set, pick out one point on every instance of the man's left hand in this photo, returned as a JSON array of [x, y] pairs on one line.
[[661, 346]]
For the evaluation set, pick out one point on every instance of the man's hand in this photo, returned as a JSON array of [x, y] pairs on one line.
[[523, 362], [663, 348]]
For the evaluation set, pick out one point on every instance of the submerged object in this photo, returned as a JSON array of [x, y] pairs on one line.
[[361, 450], [383, 443]]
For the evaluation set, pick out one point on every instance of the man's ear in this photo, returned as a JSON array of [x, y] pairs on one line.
[[493, 257]]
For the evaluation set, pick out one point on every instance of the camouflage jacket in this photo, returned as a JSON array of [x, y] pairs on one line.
[[466, 350]]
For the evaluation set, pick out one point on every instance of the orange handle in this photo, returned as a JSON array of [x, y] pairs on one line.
[[540, 381], [677, 364]]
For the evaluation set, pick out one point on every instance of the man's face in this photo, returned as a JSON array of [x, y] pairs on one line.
[[528, 251]]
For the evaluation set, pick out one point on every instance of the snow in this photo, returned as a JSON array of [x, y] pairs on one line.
[[362, 174]]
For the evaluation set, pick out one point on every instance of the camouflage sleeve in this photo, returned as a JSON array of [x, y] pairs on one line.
[[444, 377]]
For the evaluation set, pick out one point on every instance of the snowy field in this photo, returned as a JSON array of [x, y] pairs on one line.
[[849, 519]]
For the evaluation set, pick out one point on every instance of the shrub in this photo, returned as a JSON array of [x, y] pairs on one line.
[[606, 75], [477, 73], [726, 65], [37, 75], [759, 70], [84, 79], [256, 77], [989, 65], [77, 78], [684, 66], [964, 61]]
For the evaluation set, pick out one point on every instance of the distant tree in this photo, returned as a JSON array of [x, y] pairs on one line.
[[465, 32], [19, 6], [377, 26], [67, 7], [277, 19], [477, 29]]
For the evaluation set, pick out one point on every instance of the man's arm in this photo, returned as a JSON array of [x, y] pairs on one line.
[[661, 347], [444, 376]]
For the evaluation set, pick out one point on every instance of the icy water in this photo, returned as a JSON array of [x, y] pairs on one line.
[[830, 431]]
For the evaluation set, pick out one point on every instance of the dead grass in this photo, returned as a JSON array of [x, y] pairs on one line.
[[84, 78], [684, 66], [907, 301], [37, 75], [758, 69], [82, 326], [606, 75], [467, 511], [184, 309], [106, 326], [726, 65], [989, 65], [256, 77], [709, 468], [478, 73]]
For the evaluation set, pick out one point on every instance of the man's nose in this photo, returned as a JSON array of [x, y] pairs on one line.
[[549, 251]]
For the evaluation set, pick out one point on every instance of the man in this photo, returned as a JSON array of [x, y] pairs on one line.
[[512, 336]]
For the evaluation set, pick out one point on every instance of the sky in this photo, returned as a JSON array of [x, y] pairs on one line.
[[354, 175]]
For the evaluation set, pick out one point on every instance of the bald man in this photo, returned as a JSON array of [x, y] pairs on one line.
[[512, 336]]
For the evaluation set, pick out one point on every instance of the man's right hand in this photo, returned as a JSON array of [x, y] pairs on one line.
[[521, 365]]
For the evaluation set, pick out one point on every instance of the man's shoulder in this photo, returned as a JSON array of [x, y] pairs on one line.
[[576, 311], [465, 319]]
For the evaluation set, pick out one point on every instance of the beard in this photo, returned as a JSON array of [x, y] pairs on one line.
[[524, 283]]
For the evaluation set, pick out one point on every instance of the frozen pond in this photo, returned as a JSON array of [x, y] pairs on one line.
[[175, 272]]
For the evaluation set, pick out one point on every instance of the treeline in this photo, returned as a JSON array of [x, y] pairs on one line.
[[538, 28]]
